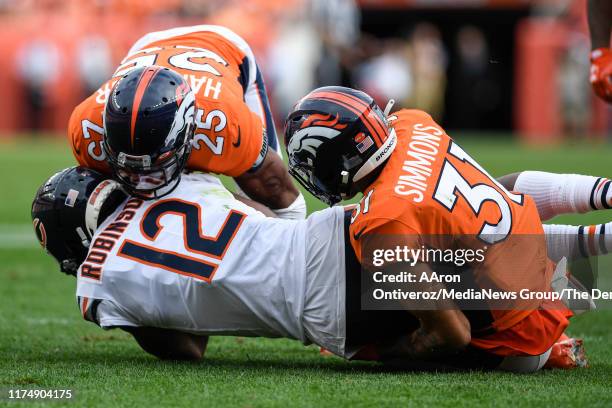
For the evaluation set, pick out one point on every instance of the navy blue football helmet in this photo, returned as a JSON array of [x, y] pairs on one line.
[[149, 123], [337, 140], [68, 208]]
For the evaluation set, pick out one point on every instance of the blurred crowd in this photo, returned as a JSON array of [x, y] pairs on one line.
[[300, 44]]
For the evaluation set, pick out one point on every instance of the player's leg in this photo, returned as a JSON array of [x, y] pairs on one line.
[[567, 353], [557, 194], [524, 364], [578, 241]]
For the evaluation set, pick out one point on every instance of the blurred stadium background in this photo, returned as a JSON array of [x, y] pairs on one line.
[[508, 78], [504, 65]]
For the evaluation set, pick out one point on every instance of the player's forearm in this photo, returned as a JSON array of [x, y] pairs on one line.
[[254, 204], [600, 22], [271, 184], [169, 344], [418, 346], [444, 328], [509, 180], [442, 331], [447, 335]]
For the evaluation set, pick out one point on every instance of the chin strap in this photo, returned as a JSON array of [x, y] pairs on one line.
[[378, 158], [95, 203]]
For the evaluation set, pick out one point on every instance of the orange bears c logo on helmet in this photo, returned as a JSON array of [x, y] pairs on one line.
[[41, 234]]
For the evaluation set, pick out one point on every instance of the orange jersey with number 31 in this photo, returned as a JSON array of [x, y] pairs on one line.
[[435, 194], [219, 67]]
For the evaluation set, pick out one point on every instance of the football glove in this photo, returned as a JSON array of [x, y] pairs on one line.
[[601, 73]]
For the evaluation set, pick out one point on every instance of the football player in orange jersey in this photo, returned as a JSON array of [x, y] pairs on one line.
[[420, 185], [600, 26], [189, 96]]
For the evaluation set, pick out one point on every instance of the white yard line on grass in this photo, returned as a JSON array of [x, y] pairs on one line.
[[16, 236], [48, 320]]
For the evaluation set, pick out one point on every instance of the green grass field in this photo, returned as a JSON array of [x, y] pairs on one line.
[[44, 343]]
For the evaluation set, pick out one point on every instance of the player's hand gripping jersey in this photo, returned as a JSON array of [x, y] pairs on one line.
[[433, 194], [234, 125]]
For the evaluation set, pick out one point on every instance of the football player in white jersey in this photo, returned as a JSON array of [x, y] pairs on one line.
[[198, 262]]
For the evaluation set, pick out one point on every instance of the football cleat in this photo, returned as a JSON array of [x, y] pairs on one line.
[[567, 353]]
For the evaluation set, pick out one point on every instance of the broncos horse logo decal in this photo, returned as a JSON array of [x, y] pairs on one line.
[[314, 131]]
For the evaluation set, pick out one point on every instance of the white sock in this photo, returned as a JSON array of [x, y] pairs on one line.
[[556, 194], [575, 241]]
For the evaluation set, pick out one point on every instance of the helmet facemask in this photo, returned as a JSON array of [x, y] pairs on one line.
[[304, 154], [142, 179], [334, 183], [305, 175]]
